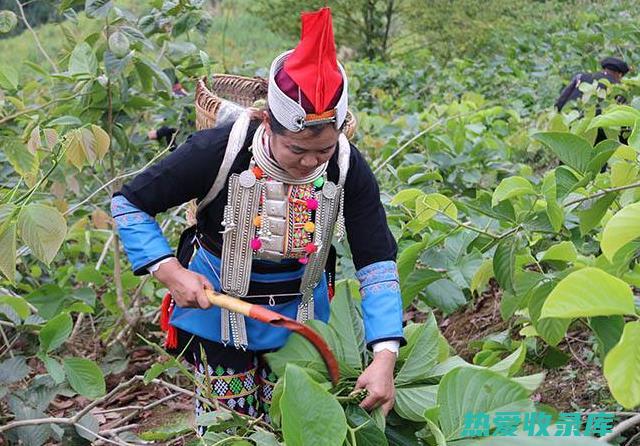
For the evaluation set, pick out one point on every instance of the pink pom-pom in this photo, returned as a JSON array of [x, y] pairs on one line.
[[310, 248], [312, 204], [303, 260], [256, 244]]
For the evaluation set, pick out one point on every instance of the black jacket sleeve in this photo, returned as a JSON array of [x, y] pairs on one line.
[[185, 174], [369, 236]]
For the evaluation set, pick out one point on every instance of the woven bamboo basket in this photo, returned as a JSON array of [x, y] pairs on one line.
[[240, 90]]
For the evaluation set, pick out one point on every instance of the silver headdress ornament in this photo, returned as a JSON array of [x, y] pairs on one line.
[[291, 114]]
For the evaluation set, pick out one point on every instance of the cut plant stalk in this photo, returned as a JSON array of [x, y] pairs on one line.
[[267, 316]]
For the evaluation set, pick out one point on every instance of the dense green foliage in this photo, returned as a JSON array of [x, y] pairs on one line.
[[482, 180]]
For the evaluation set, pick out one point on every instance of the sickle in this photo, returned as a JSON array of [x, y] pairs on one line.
[[262, 314]]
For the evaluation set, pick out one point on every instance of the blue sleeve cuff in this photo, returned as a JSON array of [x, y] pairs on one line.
[[141, 235], [381, 302]]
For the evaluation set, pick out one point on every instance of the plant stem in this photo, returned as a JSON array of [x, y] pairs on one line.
[[35, 36]]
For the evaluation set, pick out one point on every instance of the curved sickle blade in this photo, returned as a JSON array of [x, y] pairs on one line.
[[271, 317]]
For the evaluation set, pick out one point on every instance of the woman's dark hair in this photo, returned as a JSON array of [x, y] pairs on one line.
[[279, 129]]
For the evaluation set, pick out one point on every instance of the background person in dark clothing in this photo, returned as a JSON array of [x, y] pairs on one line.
[[613, 69]]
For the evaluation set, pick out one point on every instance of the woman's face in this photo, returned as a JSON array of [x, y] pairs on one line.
[[300, 153]]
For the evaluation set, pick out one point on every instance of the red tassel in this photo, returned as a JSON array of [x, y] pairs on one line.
[[165, 312], [171, 340], [331, 292]]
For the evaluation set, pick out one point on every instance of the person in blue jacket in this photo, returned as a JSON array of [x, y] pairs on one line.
[[271, 194]]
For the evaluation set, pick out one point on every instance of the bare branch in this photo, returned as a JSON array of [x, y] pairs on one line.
[[622, 427], [35, 36]]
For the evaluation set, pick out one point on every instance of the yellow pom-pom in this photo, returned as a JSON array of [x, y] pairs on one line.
[[309, 226], [257, 221]]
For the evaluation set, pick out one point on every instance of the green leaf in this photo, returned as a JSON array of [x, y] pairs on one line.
[[9, 77], [552, 330], [504, 263], [13, 370], [367, 433], [420, 353], [54, 368], [8, 250], [465, 390], [97, 8], [622, 367], [8, 21], [412, 401], [417, 282], [572, 150], [347, 323], [608, 330], [66, 120], [445, 295], [302, 395], [18, 304], [589, 292], [55, 332], [510, 365], [481, 277], [602, 153], [563, 251], [592, 215], [83, 60], [85, 377], [512, 187], [621, 229], [623, 173], [616, 116], [43, 229], [407, 259], [554, 211], [24, 162], [428, 206], [566, 181], [634, 138]]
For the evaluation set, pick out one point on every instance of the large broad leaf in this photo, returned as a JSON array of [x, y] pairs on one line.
[[367, 433], [83, 60], [9, 77], [407, 259], [431, 205], [589, 292], [417, 281], [571, 149], [465, 390], [552, 330], [97, 8], [512, 187], [622, 228], [608, 330], [412, 401], [85, 377], [43, 229], [602, 153], [8, 249], [617, 116], [310, 414], [407, 197], [13, 370], [347, 323], [554, 211], [445, 295], [510, 365], [298, 350], [420, 354], [592, 213], [563, 252], [504, 263], [55, 332], [622, 367]]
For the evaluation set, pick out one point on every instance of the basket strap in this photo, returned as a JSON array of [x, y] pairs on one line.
[[236, 141], [344, 155]]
